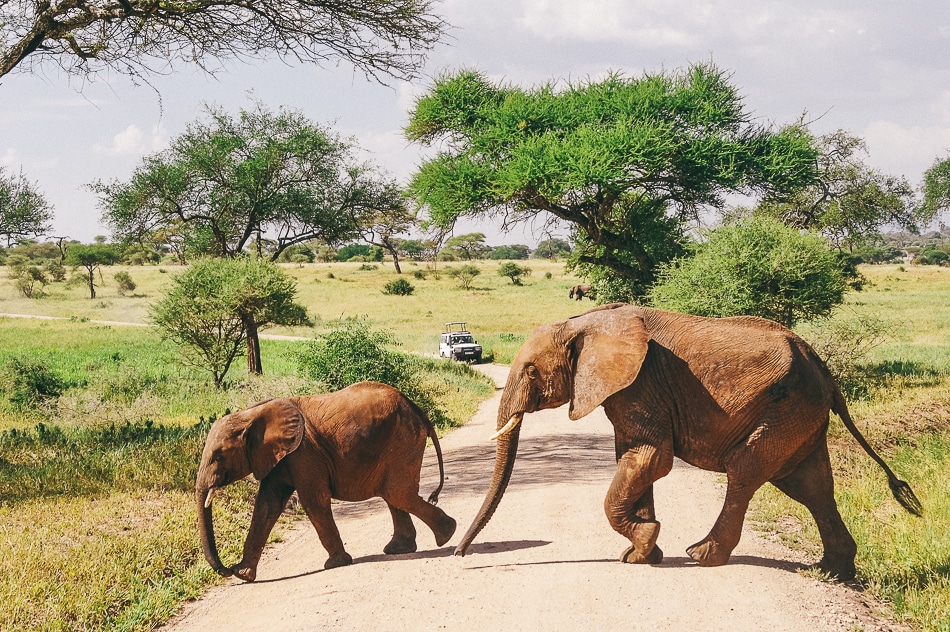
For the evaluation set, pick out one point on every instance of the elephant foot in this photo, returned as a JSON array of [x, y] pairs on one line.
[[632, 556], [244, 573], [709, 553], [340, 559], [400, 544], [445, 532], [841, 569]]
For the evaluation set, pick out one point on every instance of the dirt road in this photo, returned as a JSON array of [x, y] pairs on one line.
[[548, 560]]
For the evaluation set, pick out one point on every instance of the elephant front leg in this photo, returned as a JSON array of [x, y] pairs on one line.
[[629, 502], [271, 500], [317, 505]]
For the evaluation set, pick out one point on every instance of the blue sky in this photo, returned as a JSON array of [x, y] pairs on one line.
[[877, 70]]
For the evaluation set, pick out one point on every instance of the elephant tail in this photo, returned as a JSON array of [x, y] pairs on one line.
[[430, 431], [900, 489]]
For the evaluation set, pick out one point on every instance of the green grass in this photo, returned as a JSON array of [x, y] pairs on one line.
[[114, 458], [493, 307], [902, 560], [122, 552]]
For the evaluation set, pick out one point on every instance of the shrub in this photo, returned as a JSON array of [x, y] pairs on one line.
[[29, 280], [844, 344], [54, 270], [352, 353], [513, 271], [464, 275], [367, 268], [756, 267], [399, 287], [29, 382], [124, 283], [419, 274]]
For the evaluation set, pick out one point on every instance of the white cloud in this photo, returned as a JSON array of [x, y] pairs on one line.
[[133, 141], [598, 20], [906, 150], [9, 159]]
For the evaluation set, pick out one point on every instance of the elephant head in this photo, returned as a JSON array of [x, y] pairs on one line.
[[253, 440], [583, 360]]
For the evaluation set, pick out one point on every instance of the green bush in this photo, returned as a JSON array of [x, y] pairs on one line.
[[755, 267], [419, 274], [399, 287], [513, 271], [464, 275], [352, 352], [124, 283], [28, 382]]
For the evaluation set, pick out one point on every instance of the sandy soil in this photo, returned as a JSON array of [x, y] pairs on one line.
[[548, 560]]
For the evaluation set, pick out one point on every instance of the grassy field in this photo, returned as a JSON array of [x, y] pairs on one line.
[[498, 313], [130, 405], [905, 414]]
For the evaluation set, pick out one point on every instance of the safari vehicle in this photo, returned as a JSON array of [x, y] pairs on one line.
[[459, 344]]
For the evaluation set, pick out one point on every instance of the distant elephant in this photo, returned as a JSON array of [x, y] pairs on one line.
[[744, 396], [364, 441], [580, 291]]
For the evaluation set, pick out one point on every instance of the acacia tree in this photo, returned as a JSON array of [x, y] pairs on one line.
[[936, 188], [139, 37], [216, 307], [849, 202], [229, 182], [91, 257], [467, 247], [389, 220], [606, 156], [24, 212]]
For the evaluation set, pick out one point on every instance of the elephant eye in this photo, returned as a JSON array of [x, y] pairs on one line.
[[531, 371]]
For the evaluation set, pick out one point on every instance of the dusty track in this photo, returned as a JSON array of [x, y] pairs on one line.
[[546, 561]]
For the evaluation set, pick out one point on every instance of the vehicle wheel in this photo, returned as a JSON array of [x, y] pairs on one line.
[[478, 359]]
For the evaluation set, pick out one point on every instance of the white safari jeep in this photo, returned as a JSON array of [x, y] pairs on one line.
[[457, 343]]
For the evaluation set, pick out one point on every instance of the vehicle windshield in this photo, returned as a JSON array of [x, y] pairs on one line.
[[461, 339]]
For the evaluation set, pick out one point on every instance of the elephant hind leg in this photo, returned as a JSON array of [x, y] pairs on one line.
[[748, 467], [629, 501], [404, 533], [442, 525], [812, 484]]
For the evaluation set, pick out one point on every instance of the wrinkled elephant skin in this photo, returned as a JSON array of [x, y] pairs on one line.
[[364, 441], [743, 396]]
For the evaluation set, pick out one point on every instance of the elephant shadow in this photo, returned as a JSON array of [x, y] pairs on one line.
[[449, 551]]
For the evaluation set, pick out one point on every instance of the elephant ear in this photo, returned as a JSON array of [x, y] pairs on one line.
[[609, 348], [276, 431]]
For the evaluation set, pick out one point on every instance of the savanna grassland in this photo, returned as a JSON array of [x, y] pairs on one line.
[[900, 399], [97, 524], [97, 515]]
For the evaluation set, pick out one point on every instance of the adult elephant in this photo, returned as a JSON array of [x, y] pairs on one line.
[[744, 396], [580, 291], [364, 441]]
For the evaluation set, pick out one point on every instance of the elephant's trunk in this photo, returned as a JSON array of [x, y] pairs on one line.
[[504, 464], [206, 527]]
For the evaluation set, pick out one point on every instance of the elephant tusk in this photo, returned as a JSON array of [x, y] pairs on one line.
[[514, 421], [209, 497]]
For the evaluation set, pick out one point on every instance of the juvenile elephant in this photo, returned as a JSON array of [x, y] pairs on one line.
[[744, 396], [580, 291], [363, 441]]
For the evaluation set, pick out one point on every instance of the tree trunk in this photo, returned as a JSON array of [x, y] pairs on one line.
[[254, 366], [92, 283], [504, 464]]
